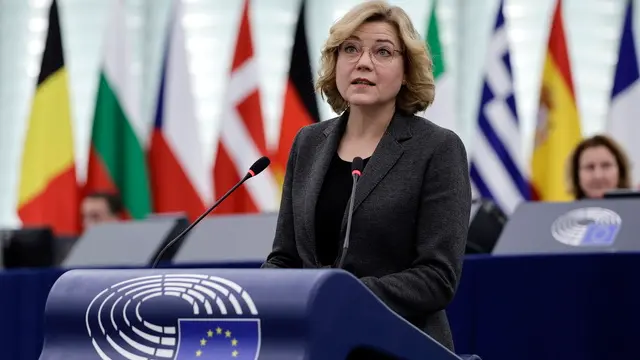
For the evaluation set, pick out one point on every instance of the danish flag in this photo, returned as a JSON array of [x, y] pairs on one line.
[[242, 137]]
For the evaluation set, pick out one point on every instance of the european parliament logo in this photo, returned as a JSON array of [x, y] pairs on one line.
[[174, 317], [592, 226]]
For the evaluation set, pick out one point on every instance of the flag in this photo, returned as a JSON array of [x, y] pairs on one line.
[[117, 161], [203, 339], [242, 137], [558, 124], [624, 113], [497, 166], [300, 104], [48, 193], [181, 182], [443, 110]]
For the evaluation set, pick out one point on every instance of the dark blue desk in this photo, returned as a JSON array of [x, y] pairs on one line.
[[547, 307]]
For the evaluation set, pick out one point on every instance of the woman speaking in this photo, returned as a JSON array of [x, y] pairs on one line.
[[412, 203]]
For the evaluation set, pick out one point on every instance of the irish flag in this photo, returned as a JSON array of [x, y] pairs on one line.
[[117, 160], [48, 192], [443, 110]]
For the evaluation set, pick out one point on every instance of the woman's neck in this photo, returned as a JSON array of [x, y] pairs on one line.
[[368, 122]]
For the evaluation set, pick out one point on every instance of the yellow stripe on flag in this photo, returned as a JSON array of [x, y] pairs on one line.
[[557, 134], [48, 149]]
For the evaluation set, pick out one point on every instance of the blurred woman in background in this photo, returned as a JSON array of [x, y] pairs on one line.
[[598, 165]]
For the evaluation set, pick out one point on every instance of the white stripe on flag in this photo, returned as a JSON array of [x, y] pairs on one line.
[[117, 59], [624, 125], [498, 76], [244, 81], [503, 123], [495, 175], [236, 139], [180, 127]]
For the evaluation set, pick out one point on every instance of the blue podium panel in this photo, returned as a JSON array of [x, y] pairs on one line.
[[223, 314]]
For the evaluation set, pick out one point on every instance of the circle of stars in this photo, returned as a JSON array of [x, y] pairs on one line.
[[219, 331]]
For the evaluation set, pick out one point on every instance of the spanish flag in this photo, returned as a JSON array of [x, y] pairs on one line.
[[558, 125], [48, 192]]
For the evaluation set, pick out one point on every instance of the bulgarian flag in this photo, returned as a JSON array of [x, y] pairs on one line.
[[117, 160]]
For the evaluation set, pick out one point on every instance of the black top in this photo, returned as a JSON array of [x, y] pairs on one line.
[[332, 202]]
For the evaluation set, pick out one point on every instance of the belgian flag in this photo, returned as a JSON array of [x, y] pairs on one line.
[[300, 104], [48, 191]]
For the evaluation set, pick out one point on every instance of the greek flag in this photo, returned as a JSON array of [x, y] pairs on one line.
[[497, 166]]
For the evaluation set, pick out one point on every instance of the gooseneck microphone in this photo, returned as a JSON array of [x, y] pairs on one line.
[[356, 172], [254, 170]]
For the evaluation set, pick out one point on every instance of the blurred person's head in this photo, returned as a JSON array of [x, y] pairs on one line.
[[375, 58], [100, 207], [598, 164]]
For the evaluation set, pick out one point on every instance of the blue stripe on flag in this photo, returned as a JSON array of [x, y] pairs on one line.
[[479, 183], [493, 139], [627, 69], [498, 147]]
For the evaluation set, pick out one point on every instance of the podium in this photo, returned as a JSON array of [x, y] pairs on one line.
[[577, 227], [265, 314]]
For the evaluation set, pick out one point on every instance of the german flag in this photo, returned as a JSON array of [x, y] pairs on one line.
[[48, 191], [300, 104], [558, 128]]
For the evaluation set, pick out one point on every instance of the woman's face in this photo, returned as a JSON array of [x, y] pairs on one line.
[[599, 171], [370, 67]]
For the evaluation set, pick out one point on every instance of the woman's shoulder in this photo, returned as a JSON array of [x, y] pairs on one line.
[[425, 129], [316, 129]]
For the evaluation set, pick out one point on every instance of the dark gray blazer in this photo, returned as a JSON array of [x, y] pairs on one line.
[[410, 220]]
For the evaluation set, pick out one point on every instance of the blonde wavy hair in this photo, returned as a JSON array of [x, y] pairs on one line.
[[418, 91]]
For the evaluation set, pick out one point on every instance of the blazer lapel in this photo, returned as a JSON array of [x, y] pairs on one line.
[[325, 150], [387, 153]]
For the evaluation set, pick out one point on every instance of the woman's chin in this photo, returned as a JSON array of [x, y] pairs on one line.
[[362, 100]]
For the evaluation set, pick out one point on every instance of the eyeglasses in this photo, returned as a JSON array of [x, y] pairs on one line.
[[382, 54]]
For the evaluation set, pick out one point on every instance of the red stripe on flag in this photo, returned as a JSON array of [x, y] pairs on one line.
[[98, 178], [238, 202], [170, 186], [56, 206], [251, 114], [244, 45], [558, 47], [295, 116], [225, 170]]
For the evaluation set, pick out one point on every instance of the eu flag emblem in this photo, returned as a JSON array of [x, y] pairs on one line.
[[235, 339], [600, 234]]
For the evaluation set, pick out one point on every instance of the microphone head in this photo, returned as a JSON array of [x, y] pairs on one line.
[[259, 166], [356, 166]]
